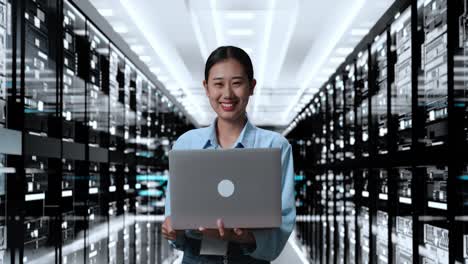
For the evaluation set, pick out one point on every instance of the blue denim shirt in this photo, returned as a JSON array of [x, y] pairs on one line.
[[270, 242]]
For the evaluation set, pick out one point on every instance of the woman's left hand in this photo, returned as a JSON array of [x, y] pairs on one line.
[[229, 234]]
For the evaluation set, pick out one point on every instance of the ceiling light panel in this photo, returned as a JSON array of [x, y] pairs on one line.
[[240, 32], [359, 32], [138, 49], [239, 15], [106, 12]]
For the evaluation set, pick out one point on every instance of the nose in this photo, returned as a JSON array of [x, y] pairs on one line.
[[227, 91]]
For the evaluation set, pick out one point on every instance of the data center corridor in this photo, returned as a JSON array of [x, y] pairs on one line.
[[372, 95]]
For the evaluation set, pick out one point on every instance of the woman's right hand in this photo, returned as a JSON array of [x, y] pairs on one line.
[[167, 231]]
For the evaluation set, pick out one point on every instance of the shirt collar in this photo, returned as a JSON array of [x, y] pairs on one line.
[[245, 139]]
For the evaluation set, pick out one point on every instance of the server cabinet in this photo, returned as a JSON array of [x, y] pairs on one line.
[[461, 228], [325, 256], [460, 87], [331, 217], [116, 154], [383, 216], [330, 120], [10, 139], [324, 117], [41, 154], [364, 217], [434, 232], [316, 207], [432, 19], [362, 103], [74, 140], [97, 110], [301, 208], [379, 93], [143, 141], [339, 119], [350, 113], [401, 92], [131, 82], [339, 225], [350, 217], [403, 219]]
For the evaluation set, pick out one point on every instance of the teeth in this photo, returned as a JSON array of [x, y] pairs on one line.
[[227, 105]]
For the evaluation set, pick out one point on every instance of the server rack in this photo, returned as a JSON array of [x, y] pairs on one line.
[[404, 135], [84, 135]]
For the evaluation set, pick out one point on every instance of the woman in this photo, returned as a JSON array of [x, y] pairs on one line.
[[229, 83]]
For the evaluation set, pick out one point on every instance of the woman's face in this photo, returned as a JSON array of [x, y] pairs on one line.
[[228, 89]]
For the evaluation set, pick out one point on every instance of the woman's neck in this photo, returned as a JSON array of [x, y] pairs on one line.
[[228, 131]]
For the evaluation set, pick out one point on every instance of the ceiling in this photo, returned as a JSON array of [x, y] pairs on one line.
[[295, 45]]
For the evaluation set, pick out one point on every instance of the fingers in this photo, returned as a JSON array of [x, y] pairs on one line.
[[167, 231], [213, 233], [238, 231], [169, 235], [220, 225]]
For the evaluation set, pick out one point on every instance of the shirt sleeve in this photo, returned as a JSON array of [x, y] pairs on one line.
[[180, 238], [270, 242]]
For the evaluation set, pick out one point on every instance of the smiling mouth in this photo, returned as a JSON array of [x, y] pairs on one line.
[[228, 106]]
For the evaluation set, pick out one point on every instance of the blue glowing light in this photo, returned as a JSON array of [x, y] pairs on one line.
[[151, 177], [299, 177], [151, 193]]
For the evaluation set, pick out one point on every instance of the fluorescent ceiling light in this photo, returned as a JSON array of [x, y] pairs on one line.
[[131, 41], [327, 71], [164, 78], [216, 23], [240, 32], [198, 33], [240, 15], [248, 50], [264, 52], [106, 12], [121, 29], [80, 32], [103, 50], [344, 51], [359, 31], [145, 58], [137, 48], [337, 59], [155, 70]]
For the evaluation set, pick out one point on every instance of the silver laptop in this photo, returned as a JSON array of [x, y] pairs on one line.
[[241, 186]]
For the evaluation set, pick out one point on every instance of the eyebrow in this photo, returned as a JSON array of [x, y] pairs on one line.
[[221, 78]]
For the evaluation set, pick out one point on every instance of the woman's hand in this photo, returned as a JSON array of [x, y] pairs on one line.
[[167, 231], [229, 234]]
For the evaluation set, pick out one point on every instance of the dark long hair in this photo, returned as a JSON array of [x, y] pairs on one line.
[[230, 52]]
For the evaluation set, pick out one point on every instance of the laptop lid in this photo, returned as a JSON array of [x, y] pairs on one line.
[[241, 186]]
